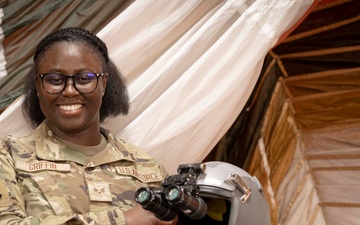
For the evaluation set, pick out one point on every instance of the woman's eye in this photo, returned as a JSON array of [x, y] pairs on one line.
[[85, 78], [54, 79]]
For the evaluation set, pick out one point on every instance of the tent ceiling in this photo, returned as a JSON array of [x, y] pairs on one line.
[[304, 115], [320, 63]]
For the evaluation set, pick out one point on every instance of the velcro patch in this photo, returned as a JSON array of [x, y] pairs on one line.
[[42, 165], [144, 177], [99, 191]]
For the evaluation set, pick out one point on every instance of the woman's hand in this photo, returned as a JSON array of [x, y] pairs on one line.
[[140, 216]]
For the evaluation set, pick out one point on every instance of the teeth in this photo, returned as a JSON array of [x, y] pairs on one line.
[[70, 107]]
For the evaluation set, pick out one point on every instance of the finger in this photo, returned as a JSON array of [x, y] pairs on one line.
[[175, 221]]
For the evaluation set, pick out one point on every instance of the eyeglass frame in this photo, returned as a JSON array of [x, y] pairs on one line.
[[72, 77]]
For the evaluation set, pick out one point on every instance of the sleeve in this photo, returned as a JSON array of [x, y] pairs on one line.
[[12, 206], [100, 217]]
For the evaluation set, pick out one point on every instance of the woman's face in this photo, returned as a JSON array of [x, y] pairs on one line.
[[70, 111]]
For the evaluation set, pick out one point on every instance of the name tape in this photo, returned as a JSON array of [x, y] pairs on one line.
[[144, 177], [43, 165]]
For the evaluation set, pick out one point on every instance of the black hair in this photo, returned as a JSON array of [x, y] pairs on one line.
[[115, 100]]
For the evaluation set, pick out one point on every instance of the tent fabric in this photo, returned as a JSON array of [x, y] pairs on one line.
[[306, 141], [3, 71], [270, 161], [180, 109], [312, 172], [190, 66]]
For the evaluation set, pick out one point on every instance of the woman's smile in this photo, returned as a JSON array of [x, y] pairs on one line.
[[70, 107]]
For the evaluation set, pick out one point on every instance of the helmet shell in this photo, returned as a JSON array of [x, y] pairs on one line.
[[213, 183]]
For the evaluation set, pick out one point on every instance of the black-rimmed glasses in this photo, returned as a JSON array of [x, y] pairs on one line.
[[84, 82]]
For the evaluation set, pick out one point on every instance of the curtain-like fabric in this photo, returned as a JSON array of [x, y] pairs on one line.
[[190, 66], [200, 78]]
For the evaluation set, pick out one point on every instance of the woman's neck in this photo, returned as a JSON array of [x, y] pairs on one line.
[[87, 137]]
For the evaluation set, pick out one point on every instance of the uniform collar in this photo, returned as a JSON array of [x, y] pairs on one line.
[[48, 147]]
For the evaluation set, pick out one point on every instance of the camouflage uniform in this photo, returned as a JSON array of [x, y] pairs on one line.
[[43, 181]]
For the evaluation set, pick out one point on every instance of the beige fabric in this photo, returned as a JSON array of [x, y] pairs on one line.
[[195, 66]]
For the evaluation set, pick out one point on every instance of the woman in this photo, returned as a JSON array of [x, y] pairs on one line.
[[70, 170]]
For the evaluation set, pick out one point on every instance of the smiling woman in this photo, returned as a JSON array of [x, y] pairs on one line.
[[70, 111], [67, 170]]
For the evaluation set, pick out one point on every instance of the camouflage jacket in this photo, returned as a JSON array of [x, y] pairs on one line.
[[43, 181]]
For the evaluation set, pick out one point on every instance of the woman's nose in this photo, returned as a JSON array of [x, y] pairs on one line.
[[70, 89]]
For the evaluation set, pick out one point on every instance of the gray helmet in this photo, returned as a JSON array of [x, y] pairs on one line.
[[211, 193], [222, 180]]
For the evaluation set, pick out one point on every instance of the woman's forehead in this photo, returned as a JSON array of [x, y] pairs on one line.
[[75, 49], [70, 57], [60, 45]]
